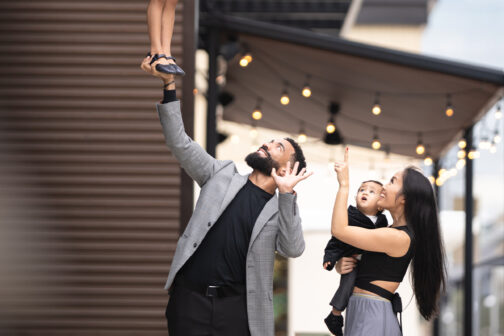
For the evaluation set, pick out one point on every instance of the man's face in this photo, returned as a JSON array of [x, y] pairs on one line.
[[367, 198], [273, 154]]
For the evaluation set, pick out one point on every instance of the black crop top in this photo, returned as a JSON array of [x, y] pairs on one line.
[[380, 266]]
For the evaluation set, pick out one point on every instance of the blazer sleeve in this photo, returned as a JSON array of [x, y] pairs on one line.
[[290, 241], [195, 160], [332, 252]]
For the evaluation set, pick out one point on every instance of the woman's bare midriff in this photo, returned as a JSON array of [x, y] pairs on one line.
[[388, 285]]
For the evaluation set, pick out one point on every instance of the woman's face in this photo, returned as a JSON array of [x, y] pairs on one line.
[[391, 196]]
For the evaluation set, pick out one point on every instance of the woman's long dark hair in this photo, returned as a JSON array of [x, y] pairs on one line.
[[429, 270]]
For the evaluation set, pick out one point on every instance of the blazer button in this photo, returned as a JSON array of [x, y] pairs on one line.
[[194, 245], [209, 224]]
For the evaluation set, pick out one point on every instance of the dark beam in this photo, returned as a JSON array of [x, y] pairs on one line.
[[231, 6], [468, 248], [213, 90]]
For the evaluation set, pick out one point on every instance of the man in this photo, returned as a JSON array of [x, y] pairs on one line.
[[221, 277]]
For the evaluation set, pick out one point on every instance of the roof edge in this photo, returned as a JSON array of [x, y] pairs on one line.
[[339, 45]]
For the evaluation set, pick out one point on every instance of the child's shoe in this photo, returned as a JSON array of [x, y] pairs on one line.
[[335, 324]]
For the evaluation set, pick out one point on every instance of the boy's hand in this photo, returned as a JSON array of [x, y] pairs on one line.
[[327, 263], [346, 265], [341, 169]]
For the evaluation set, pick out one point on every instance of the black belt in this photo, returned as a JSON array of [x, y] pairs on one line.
[[394, 298], [211, 290]]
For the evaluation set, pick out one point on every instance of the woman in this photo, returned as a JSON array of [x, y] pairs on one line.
[[414, 235]]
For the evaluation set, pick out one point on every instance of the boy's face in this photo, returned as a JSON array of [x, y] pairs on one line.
[[367, 198]]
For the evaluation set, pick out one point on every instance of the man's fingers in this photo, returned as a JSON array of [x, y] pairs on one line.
[[304, 177], [295, 168], [273, 172], [288, 170], [346, 154]]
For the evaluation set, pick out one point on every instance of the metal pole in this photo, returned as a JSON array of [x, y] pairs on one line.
[[213, 91], [436, 167], [468, 250]]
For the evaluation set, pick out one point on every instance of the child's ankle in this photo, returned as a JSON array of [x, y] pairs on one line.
[[336, 312]]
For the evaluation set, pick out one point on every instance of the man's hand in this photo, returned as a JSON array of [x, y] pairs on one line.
[[346, 265], [168, 79], [326, 264], [287, 182], [341, 169]]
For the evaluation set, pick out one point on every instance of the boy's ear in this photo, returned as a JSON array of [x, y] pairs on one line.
[[380, 209]]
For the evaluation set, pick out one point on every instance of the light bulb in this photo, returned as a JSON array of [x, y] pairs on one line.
[[376, 144], [248, 57], [427, 161], [257, 115], [432, 179], [439, 182], [284, 100], [420, 149], [306, 91], [302, 138], [376, 109], [330, 128], [473, 154], [449, 111], [461, 154], [243, 62], [497, 138], [498, 113], [460, 164], [441, 172], [462, 143], [253, 132], [493, 148]]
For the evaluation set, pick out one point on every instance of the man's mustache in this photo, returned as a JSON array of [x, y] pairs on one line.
[[263, 147]]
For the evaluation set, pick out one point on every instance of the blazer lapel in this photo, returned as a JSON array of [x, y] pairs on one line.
[[237, 182], [269, 210]]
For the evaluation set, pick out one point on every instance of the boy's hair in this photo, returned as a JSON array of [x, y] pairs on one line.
[[374, 181]]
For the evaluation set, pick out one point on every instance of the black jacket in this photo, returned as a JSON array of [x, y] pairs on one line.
[[336, 249]]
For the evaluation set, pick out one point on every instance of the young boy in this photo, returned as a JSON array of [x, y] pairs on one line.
[[366, 215]]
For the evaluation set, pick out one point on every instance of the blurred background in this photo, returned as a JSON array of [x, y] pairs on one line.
[[92, 203]]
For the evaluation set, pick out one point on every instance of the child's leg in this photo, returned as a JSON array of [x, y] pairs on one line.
[[168, 21], [345, 290], [154, 21]]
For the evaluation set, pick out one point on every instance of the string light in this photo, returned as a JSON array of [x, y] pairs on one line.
[[493, 148], [302, 134], [462, 143], [441, 172], [498, 112], [284, 100], [246, 59], [439, 182], [461, 154], [460, 164], [376, 144], [306, 88], [420, 149], [330, 128], [484, 143], [449, 107], [473, 154], [432, 179], [257, 113], [497, 137], [428, 160], [376, 110]]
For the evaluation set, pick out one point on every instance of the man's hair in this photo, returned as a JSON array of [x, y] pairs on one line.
[[297, 156], [374, 181]]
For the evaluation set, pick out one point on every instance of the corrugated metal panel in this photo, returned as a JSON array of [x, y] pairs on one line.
[[90, 192]]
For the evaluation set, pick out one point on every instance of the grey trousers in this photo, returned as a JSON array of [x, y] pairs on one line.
[[368, 315], [345, 290]]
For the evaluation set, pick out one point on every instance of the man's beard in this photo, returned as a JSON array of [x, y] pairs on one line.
[[261, 164]]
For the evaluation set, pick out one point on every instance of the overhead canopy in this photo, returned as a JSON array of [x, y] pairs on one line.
[[413, 89]]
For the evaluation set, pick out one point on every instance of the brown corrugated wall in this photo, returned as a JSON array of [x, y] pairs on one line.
[[89, 193]]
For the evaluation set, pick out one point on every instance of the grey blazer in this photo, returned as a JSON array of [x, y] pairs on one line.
[[278, 227]]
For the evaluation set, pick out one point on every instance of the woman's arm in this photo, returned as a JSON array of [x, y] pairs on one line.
[[390, 241]]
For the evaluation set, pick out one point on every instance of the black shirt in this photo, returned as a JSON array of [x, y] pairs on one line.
[[220, 259]]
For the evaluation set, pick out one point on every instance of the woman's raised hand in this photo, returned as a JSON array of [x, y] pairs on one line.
[[341, 169]]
